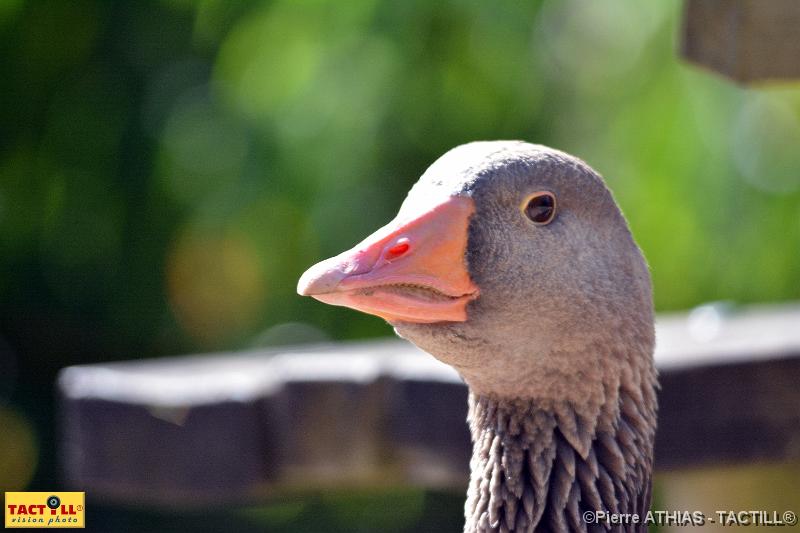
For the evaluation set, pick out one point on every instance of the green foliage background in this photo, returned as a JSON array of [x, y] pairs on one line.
[[169, 168]]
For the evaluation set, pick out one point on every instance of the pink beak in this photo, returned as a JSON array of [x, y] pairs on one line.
[[411, 270]]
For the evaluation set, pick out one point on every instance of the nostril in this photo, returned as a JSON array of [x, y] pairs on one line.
[[397, 250]]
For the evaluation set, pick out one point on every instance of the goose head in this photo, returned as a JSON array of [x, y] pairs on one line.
[[510, 262]]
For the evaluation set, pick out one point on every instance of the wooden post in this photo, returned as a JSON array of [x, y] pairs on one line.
[[745, 40]]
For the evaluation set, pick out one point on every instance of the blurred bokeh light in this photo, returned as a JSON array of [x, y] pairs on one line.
[[18, 450]]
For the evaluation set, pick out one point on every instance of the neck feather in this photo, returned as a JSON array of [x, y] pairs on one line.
[[538, 465]]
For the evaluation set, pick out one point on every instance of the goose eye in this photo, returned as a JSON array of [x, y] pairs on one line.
[[541, 208]]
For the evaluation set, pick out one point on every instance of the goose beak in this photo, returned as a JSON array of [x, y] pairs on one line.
[[411, 270]]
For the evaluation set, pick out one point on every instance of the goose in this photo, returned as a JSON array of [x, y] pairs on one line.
[[512, 263]]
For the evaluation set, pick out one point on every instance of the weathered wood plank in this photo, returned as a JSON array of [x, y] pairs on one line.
[[237, 427], [746, 40]]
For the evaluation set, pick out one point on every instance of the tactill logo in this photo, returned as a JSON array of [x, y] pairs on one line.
[[45, 509]]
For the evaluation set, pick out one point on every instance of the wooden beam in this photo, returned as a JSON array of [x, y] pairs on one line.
[[746, 40], [238, 427]]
